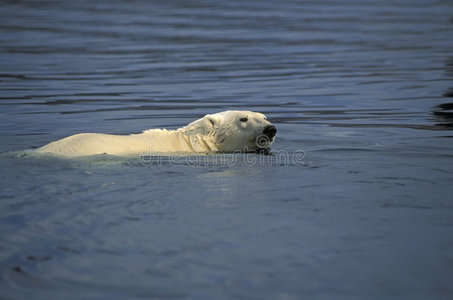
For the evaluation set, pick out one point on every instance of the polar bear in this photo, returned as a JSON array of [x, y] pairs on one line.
[[227, 131]]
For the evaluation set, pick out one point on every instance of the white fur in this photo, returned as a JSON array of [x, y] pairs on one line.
[[220, 132]]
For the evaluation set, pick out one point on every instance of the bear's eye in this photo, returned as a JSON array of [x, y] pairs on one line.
[[243, 119]]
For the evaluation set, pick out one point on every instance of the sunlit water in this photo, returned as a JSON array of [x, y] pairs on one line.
[[355, 203]]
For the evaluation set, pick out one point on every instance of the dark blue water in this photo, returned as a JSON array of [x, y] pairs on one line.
[[355, 203]]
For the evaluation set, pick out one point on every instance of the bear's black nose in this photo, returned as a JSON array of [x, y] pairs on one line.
[[270, 131]]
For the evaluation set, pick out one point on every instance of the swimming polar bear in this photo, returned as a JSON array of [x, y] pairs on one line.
[[227, 131]]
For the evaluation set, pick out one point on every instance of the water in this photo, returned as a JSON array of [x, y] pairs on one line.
[[361, 88]]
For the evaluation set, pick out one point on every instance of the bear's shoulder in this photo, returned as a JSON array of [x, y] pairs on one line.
[[156, 131]]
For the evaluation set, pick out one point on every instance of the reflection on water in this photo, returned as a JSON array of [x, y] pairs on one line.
[[359, 90], [444, 114]]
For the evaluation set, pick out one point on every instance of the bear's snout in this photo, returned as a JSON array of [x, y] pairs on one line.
[[270, 131]]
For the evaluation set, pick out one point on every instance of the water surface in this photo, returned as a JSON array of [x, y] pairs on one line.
[[355, 203]]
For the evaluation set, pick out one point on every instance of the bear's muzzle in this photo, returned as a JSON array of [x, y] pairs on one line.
[[270, 131]]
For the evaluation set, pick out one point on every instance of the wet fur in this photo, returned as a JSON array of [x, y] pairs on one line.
[[221, 132]]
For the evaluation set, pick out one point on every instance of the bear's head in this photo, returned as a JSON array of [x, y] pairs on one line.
[[239, 130]]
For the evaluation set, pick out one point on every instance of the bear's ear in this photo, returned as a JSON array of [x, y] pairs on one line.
[[209, 121]]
